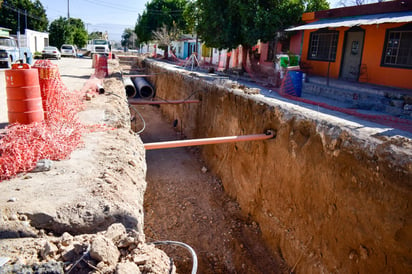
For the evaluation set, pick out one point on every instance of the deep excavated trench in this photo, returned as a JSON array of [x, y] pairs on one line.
[[328, 194], [182, 203]]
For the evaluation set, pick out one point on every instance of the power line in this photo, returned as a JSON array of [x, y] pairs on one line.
[[112, 6], [20, 11]]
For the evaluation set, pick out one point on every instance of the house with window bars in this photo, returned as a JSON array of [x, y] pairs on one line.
[[370, 43]]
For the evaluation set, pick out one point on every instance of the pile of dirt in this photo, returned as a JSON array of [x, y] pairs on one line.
[[112, 251]]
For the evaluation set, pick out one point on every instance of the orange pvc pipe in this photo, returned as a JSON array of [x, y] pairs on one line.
[[209, 141], [145, 102]]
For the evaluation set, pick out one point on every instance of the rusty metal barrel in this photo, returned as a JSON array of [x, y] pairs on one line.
[[24, 101]]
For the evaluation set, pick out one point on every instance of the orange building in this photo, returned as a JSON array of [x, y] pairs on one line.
[[369, 43]]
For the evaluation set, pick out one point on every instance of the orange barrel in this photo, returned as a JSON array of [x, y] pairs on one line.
[[24, 101]]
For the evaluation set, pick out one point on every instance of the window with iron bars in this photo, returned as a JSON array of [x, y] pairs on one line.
[[323, 45], [398, 48]]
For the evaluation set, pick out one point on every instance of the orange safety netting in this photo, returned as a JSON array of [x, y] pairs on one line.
[[21, 146]]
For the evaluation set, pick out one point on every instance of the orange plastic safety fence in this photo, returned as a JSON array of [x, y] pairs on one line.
[[21, 146]]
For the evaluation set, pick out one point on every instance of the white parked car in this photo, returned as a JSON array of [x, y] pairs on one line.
[[50, 52], [68, 50]]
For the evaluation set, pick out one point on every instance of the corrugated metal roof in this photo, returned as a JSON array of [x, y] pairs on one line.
[[396, 17]]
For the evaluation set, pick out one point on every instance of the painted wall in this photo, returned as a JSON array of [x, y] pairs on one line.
[[371, 57], [296, 43], [321, 67], [36, 41]]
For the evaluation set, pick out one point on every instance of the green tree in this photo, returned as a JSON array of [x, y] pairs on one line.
[[159, 13], [95, 35], [230, 23], [164, 38], [63, 31], [316, 5], [79, 33], [31, 12], [128, 38]]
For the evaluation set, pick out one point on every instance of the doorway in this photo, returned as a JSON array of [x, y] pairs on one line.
[[352, 54]]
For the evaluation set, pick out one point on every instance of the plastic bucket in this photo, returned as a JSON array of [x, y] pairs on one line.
[[292, 83], [296, 77], [24, 100]]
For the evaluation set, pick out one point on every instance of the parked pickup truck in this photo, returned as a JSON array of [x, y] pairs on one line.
[[10, 53]]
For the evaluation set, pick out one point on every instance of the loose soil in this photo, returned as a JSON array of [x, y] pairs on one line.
[[185, 202]]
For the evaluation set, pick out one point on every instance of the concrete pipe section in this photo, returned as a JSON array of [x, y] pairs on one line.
[[143, 87], [129, 87], [210, 141], [99, 88]]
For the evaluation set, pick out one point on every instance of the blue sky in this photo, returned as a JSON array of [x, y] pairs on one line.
[[112, 16], [98, 15]]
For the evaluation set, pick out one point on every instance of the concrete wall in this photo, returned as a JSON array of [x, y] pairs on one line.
[[36, 40], [331, 195]]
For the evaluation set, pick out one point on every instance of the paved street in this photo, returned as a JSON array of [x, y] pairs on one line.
[[74, 73]]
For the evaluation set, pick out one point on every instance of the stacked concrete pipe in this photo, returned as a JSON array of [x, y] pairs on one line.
[[144, 88], [129, 87]]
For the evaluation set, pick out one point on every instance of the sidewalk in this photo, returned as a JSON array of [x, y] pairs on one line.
[[3, 100]]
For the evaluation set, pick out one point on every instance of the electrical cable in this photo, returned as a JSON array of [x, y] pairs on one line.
[[135, 110], [24, 12], [188, 247], [184, 100]]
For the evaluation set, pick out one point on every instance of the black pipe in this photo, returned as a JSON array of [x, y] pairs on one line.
[[143, 87], [129, 87]]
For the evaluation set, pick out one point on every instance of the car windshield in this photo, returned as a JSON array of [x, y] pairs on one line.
[[6, 42], [50, 48], [67, 47], [100, 42]]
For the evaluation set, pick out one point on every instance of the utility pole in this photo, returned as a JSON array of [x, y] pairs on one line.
[[68, 10], [18, 22], [25, 13]]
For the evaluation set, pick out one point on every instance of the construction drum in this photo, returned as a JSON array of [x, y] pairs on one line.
[[24, 100]]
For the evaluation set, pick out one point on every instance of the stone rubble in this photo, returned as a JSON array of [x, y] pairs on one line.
[[112, 251]]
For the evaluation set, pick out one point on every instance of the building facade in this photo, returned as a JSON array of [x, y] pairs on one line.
[[370, 43]]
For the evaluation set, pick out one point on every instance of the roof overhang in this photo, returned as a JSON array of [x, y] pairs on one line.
[[373, 19]]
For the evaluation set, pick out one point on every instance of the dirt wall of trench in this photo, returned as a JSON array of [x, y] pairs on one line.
[[329, 197]]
